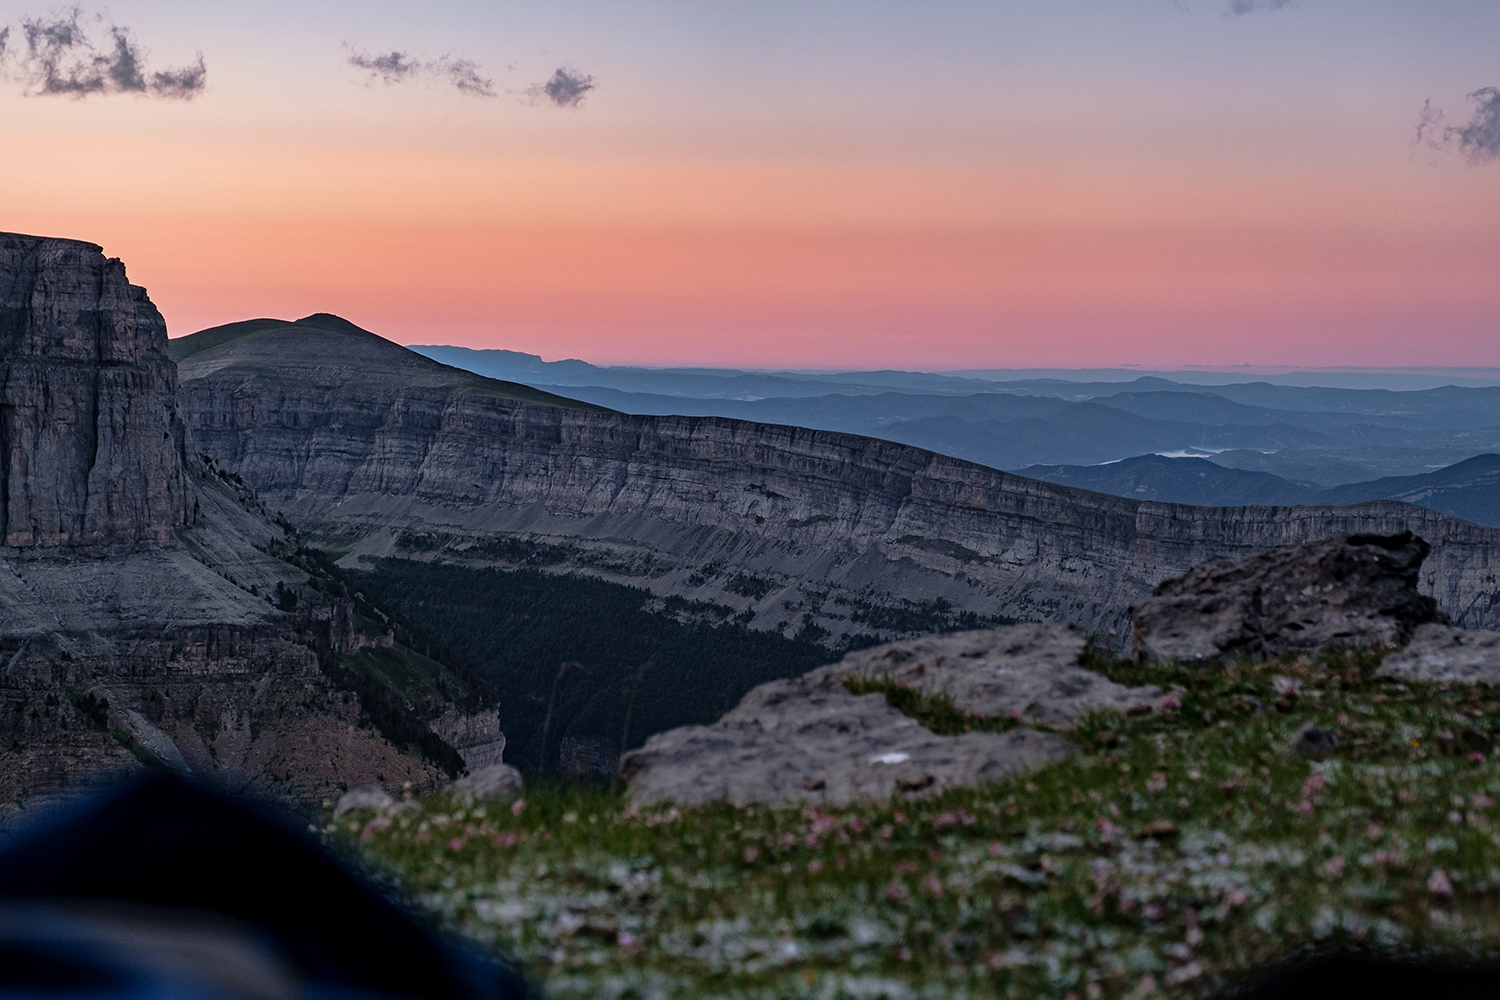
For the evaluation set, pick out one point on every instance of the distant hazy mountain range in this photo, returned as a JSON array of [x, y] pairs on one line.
[[1224, 444], [1469, 489]]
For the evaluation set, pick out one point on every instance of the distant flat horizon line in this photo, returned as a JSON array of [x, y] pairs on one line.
[[1354, 376]]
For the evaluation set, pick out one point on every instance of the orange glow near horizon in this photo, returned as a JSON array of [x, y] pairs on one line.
[[1165, 223]]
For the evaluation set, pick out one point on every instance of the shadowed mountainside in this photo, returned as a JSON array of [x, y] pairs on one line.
[[390, 454]]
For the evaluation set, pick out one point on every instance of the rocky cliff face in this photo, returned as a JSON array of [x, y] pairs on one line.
[[388, 453], [137, 623], [92, 442]]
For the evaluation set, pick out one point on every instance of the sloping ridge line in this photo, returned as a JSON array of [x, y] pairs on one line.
[[965, 532]]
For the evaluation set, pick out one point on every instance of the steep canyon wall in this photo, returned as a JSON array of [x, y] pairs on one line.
[[388, 453]]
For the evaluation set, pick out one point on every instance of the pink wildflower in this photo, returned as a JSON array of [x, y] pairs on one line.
[[1477, 757], [1335, 866], [815, 866], [373, 827], [517, 806], [457, 844], [1171, 702], [996, 849], [1481, 801], [895, 893], [933, 884], [751, 853], [1438, 883], [627, 940]]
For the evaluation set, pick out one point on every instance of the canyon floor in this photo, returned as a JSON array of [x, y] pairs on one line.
[[1177, 853]]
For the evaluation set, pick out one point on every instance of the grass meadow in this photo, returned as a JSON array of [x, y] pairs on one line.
[[1177, 852]]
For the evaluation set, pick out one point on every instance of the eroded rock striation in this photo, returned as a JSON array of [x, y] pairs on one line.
[[139, 620], [93, 447], [381, 452], [1358, 590]]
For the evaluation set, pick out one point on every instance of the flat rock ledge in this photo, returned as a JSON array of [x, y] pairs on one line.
[[1446, 655], [1030, 672], [1358, 590], [809, 740]]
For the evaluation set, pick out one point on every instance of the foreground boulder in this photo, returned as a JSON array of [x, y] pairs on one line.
[[1446, 655], [1030, 672], [1359, 590], [810, 740]]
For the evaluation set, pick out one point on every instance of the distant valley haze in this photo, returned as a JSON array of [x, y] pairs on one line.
[[1202, 438]]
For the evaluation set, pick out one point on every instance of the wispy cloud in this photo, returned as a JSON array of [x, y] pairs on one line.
[[55, 56], [1478, 140], [400, 67], [1239, 8], [566, 89]]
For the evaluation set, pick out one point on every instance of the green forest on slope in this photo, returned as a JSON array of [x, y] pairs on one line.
[[613, 663]]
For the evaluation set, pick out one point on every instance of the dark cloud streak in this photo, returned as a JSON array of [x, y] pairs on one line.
[[566, 89], [399, 67], [60, 59], [1478, 141], [1240, 8]]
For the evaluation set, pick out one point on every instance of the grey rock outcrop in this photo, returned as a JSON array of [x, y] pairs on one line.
[[93, 447], [382, 452], [1314, 741], [365, 797], [496, 781], [136, 614], [1447, 655], [476, 736], [809, 740], [1358, 590], [1029, 672]]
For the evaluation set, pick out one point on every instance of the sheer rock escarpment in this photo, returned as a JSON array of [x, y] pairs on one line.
[[92, 441], [137, 622], [382, 452]]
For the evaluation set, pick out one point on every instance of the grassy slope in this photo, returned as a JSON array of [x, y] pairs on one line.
[[1173, 853]]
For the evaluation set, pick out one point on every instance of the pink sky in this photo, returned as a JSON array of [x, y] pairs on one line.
[[1151, 186]]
